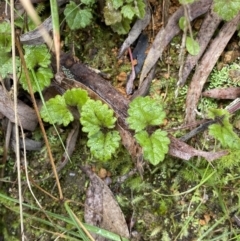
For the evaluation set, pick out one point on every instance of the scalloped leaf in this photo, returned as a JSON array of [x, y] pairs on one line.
[[227, 10], [95, 115], [140, 8], [128, 11], [144, 112], [102, 145], [77, 18], [37, 55], [154, 146], [223, 130], [115, 3], [76, 97], [43, 76], [55, 111]]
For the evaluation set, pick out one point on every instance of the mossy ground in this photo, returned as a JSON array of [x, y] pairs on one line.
[[176, 200]]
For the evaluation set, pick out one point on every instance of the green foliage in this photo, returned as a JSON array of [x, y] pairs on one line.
[[5, 49], [37, 60], [223, 130], [76, 97], [78, 17], [96, 116], [5, 37], [226, 9], [182, 23], [37, 56], [120, 14], [192, 46], [154, 146], [145, 112], [55, 111], [97, 120], [103, 145]]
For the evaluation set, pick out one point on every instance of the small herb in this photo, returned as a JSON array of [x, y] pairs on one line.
[[145, 112]]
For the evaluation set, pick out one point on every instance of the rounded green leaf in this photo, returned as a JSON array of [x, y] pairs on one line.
[[55, 111], [144, 112], [182, 23], [192, 46]]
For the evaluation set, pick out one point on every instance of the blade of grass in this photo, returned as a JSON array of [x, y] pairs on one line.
[[81, 229], [8, 201], [56, 35]]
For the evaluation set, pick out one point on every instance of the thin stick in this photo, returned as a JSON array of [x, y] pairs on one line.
[[39, 119], [17, 150]]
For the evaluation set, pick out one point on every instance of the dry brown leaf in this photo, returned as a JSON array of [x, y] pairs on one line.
[[101, 208]]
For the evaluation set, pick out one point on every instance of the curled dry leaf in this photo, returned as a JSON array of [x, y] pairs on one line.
[[101, 208]]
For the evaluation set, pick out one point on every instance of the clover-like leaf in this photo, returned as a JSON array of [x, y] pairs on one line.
[[88, 2], [154, 146], [144, 112], [55, 111], [95, 116], [140, 8], [43, 78], [103, 145], [192, 46], [77, 18], [76, 97], [37, 55], [115, 3]]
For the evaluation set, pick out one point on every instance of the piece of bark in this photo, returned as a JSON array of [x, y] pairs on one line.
[[206, 65], [166, 34], [183, 151], [101, 209], [208, 27], [26, 115], [230, 93]]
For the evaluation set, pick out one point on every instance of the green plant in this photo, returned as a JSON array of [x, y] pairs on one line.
[[119, 14], [79, 16], [5, 50], [96, 118], [37, 60], [143, 113]]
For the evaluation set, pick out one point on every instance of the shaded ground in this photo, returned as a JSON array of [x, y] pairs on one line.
[[176, 200]]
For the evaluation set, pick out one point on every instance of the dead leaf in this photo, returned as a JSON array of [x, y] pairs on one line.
[[101, 208], [26, 115]]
